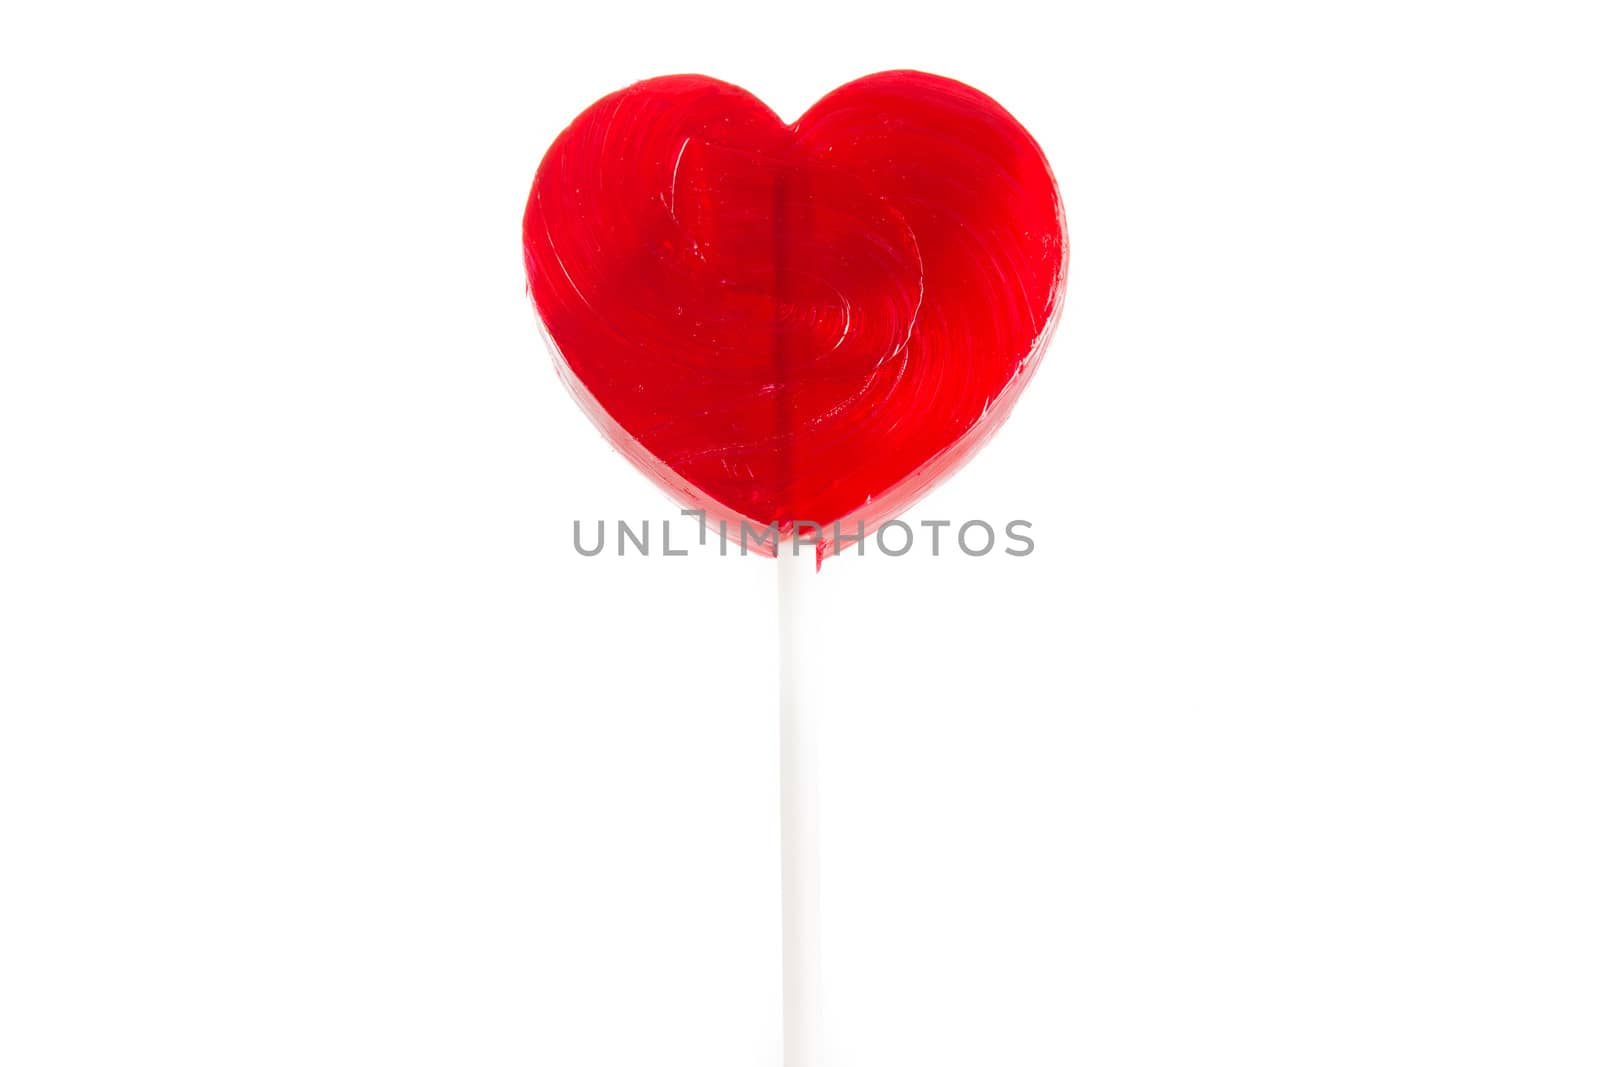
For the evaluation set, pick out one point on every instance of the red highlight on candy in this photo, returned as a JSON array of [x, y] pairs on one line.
[[804, 323]]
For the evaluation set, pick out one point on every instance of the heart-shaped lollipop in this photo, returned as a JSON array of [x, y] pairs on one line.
[[796, 323]]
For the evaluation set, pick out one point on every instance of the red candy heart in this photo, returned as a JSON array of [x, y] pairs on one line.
[[796, 323]]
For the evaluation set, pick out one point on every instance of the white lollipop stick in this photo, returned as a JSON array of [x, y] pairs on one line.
[[797, 776]]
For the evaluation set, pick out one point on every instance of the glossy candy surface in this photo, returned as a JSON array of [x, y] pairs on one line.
[[809, 322]]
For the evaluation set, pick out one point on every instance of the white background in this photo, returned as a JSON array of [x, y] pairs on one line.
[[320, 745]]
